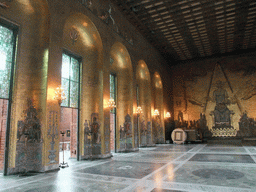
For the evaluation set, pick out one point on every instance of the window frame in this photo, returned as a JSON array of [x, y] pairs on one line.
[[79, 60], [15, 29]]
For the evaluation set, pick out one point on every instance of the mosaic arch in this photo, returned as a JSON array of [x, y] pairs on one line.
[[144, 101], [81, 38], [122, 68], [158, 120], [33, 18]]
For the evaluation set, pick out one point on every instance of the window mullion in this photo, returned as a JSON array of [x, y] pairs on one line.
[[69, 98]]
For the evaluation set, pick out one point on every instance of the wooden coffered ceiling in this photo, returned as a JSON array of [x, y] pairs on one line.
[[187, 29]]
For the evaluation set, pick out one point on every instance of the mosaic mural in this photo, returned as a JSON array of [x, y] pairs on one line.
[[29, 143], [92, 136], [53, 134], [215, 95], [126, 134]]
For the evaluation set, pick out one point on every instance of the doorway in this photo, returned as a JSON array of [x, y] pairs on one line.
[[70, 83], [3, 119], [113, 114]]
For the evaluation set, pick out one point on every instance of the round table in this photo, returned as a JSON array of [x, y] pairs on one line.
[[179, 136]]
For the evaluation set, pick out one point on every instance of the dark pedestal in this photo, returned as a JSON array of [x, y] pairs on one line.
[[249, 141], [29, 157]]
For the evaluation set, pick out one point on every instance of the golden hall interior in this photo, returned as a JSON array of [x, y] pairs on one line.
[[128, 95]]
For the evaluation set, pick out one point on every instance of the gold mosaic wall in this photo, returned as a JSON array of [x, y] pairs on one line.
[[194, 84], [45, 30], [32, 63], [145, 98], [158, 120], [123, 70]]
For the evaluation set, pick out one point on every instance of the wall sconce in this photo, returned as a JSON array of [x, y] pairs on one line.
[[111, 104], [156, 112], [168, 115], [59, 95], [139, 110]]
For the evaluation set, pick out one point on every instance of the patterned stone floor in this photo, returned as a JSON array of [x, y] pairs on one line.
[[165, 168]]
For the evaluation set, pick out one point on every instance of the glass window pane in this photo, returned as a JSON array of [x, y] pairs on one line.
[[74, 70], [65, 86], [74, 94], [4, 84], [70, 80], [65, 66], [113, 90], [112, 87], [6, 52]]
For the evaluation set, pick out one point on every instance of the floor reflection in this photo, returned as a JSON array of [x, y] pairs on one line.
[[66, 156], [167, 168]]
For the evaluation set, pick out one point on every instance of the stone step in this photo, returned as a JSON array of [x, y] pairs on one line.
[[225, 141], [250, 139]]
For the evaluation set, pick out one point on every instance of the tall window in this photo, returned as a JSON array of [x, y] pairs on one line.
[[70, 81], [113, 113], [7, 47], [6, 55], [137, 95]]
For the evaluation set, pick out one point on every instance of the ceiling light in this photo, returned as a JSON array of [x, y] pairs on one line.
[[161, 8], [185, 12], [230, 9], [159, 3], [187, 16], [166, 16], [197, 13], [184, 7], [194, 4], [230, 14], [217, 8], [217, 3], [252, 8], [219, 12], [229, 5], [181, 2], [229, 18], [149, 6], [197, 9], [154, 15], [160, 23]]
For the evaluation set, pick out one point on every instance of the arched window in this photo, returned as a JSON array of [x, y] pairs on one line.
[[7, 49]]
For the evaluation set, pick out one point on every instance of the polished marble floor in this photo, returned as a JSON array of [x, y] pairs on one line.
[[165, 168]]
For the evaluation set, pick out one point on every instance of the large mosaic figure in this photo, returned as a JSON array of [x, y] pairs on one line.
[[221, 112]]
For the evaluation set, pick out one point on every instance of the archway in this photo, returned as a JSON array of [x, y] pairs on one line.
[[81, 40], [121, 68], [158, 111], [143, 96], [29, 90]]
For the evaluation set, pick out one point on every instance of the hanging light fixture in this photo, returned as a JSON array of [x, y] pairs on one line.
[[111, 104], [59, 95], [156, 112], [139, 110], [168, 115]]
